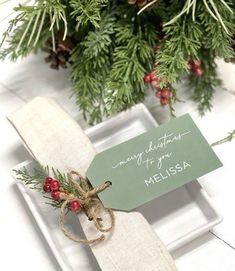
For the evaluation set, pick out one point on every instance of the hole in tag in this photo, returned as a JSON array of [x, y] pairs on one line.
[[108, 182]]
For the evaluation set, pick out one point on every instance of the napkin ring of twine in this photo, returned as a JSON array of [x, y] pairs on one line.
[[90, 204]]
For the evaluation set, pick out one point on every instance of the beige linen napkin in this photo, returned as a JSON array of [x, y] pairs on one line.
[[55, 139]]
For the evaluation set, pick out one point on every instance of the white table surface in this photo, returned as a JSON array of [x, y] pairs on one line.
[[22, 246]]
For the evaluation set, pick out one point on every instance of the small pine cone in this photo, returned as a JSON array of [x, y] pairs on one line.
[[139, 3], [54, 63], [64, 45], [60, 56]]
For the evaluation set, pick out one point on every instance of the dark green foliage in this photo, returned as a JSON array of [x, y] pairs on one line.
[[183, 40], [114, 46]]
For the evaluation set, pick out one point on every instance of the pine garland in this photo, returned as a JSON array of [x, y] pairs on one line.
[[115, 41]]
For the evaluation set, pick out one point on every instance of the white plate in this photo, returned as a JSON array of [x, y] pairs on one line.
[[178, 217]]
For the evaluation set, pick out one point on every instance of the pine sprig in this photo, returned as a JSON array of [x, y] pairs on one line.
[[228, 138], [35, 180], [14, 51], [204, 86], [87, 12], [185, 36], [213, 8], [132, 56], [91, 61], [32, 26], [183, 39], [216, 38], [173, 99]]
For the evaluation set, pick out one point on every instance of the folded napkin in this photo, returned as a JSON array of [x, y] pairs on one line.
[[55, 139]]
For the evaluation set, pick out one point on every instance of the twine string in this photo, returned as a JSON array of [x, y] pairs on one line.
[[91, 205]]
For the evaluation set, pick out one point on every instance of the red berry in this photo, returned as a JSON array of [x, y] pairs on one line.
[[166, 93], [164, 101], [55, 194], [198, 71], [48, 180], [154, 84], [47, 188], [154, 77], [54, 185], [147, 78], [197, 63], [158, 93], [74, 205]]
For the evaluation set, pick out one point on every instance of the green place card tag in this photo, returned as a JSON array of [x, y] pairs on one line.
[[152, 164]]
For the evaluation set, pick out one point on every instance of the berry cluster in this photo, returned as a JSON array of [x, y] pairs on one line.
[[195, 66], [53, 186], [150, 78], [162, 93]]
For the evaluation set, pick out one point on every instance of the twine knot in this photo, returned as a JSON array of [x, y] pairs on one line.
[[90, 204]]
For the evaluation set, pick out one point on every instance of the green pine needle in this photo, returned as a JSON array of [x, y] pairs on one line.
[[228, 138]]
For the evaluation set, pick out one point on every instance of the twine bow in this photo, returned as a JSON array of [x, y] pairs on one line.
[[91, 205]]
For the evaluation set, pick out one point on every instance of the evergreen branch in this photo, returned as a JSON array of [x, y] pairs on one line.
[[227, 6], [13, 51], [220, 19], [91, 61], [204, 85], [56, 204], [31, 27], [215, 5], [131, 58], [172, 101], [99, 41], [34, 180], [209, 10], [87, 11], [35, 26], [228, 138], [171, 108], [11, 25], [216, 37], [183, 39], [117, 53], [185, 9], [114, 47]]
